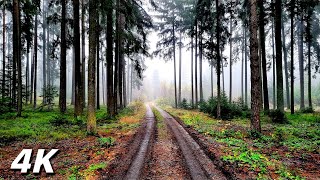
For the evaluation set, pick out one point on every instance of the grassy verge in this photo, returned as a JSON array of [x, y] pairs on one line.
[[272, 154]]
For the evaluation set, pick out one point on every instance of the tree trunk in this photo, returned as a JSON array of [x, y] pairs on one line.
[[16, 53], [255, 71], [245, 69], [200, 65], [218, 61], [44, 55], [174, 62], [192, 85], [121, 60], [103, 85], [83, 54], [78, 106], [280, 102], [309, 41], [110, 94], [285, 56], [242, 67], [180, 58], [3, 52], [263, 56], [196, 66], [27, 72], [93, 15], [63, 61], [230, 41], [98, 63], [35, 62], [292, 56], [301, 63], [124, 84], [274, 67], [116, 61]]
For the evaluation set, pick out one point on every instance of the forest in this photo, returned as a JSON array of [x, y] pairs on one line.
[[160, 89]]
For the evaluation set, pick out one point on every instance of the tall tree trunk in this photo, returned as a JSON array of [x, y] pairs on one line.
[[116, 61], [63, 61], [35, 62], [3, 52], [285, 56], [222, 74], [292, 56], [280, 102], [110, 94], [78, 106], [174, 62], [200, 65], [93, 15], [309, 41], [73, 88], [218, 61], [230, 41], [103, 85], [83, 53], [27, 72], [263, 56], [273, 67], [242, 67], [245, 68], [124, 84], [255, 71], [44, 54], [196, 66], [180, 58], [98, 63], [301, 63], [16, 53], [192, 85], [121, 60]]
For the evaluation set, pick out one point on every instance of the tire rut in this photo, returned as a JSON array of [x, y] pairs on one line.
[[199, 164]]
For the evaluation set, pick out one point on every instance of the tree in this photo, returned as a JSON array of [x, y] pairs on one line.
[[278, 11], [63, 60], [263, 55], [3, 84], [78, 106], [292, 7], [109, 36], [35, 62], [218, 60], [91, 121], [255, 71], [16, 52]]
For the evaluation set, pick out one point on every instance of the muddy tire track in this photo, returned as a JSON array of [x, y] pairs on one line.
[[199, 164]]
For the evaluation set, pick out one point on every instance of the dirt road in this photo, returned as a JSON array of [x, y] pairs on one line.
[[167, 151]]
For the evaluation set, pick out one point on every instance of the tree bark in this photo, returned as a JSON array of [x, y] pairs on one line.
[[78, 106], [200, 65], [263, 56], [98, 63], [44, 55], [301, 62], [93, 15], [255, 71], [218, 61], [116, 61], [230, 41], [3, 53], [192, 85], [285, 57], [110, 94], [292, 56], [83, 54], [174, 62], [196, 67], [16, 53], [274, 67], [35, 62], [245, 69], [63, 61], [180, 58]]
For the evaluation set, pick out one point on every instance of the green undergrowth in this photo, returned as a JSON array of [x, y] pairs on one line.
[[50, 126], [301, 133]]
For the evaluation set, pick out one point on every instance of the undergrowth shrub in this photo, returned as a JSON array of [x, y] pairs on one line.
[[5, 105], [228, 110], [278, 116], [184, 104], [106, 141], [307, 110], [59, 120]]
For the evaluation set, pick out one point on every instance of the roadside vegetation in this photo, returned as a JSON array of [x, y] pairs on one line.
[[282, 151], [83, 156]]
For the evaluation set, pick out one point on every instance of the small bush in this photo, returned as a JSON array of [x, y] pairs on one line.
[[184, 104], [106, 141], [228, 110], [59, 120], [278, 116], [5, 105], [307, 110]]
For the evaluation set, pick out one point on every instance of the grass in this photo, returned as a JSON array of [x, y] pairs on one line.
[[301, 135]]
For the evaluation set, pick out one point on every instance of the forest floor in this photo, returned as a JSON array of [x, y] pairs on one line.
[[150, 143]]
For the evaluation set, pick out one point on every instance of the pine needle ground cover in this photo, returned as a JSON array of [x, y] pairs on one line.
[[282, 151]]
